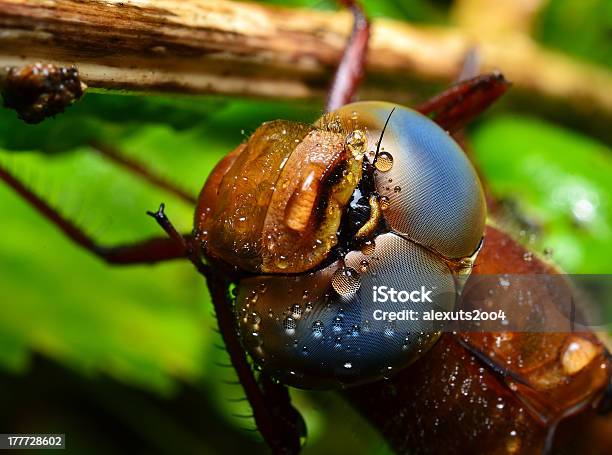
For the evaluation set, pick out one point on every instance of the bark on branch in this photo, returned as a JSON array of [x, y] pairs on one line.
[[199, 46]]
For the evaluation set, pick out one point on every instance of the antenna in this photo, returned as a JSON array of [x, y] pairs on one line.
[[382, 134]]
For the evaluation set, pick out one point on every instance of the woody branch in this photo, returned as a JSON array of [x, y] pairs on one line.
[[247, 49]]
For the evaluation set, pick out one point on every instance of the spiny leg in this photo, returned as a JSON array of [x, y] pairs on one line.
[[147, 251], [279, 423], [350, 70], [141, 170], [455, 107]]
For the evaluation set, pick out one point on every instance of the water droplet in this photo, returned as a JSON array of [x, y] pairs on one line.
[[289, 325], [363, 266], [253, 339], [337, 324], [254, 318], [577, 355], [368, 248], [317, 329], [504, 282], [243, 313], [397, 189], [296, 311], [384, 202], [528, 256], [406, 344], [254, 297], [334, 125], [386, 372], [500, 403], [356, 142], [282, 262], [345, 281], [389, 330], [513, 443], [384, 162], [548, 252]]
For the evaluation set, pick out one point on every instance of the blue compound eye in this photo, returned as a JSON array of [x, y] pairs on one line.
[[327, 329], [358, 316], [434, 195]]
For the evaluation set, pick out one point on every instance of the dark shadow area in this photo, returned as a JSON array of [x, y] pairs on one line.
[[100, 415]]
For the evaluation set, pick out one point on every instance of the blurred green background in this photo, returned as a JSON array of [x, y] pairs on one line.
[[104, 354]]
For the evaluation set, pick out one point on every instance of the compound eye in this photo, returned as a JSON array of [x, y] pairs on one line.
[[431, 192], [434, 195], [327, 329]]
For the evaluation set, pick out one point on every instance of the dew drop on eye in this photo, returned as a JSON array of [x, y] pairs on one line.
[[289, 325], [384, 162], [346, 281], [317, 329]]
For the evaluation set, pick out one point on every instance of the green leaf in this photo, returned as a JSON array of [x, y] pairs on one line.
[[101, 117], [414, 11], [559, 179], [134, 323], [578, 27]]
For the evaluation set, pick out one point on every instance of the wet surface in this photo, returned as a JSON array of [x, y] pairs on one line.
[[39, 91]]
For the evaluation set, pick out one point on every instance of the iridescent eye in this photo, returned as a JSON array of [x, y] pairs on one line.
[[322, 329], [434, 195]]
